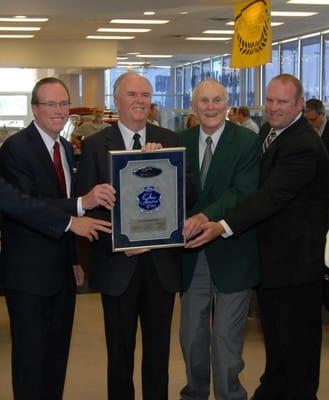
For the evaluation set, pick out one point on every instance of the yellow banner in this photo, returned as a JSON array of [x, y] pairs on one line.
[[252, 42]]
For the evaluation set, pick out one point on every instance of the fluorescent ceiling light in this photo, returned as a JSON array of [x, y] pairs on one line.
[[231, 23], [288, 40], [206, 38], [122, 58], [154, 55], [19, 28], [139, 21], [184, 12], [219, 32], [16, 36], [23, 19], [131, 62], [149, 13], [312, 2], [133, 53], [124, 30], [292, 13], [110, 37], [310, 35]]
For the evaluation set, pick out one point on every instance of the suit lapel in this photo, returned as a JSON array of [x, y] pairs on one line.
[[41, 152], [114, 139]]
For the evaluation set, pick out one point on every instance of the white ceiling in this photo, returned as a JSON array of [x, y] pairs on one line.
[[74, 19]]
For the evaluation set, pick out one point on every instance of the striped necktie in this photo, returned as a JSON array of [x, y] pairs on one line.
[[206, 161], [268, 140]]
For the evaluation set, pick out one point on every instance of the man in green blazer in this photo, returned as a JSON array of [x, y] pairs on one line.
[[224, 158]]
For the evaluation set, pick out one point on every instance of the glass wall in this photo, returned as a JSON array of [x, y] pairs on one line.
[[205, 70], [196, 74], [187, 85], [310, 67], [179, 87], [217, 69], [325, 78], [289, 58]]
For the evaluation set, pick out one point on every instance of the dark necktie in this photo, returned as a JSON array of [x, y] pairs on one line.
[[59, 168], [206, 161], [137, 144], [268, 140]]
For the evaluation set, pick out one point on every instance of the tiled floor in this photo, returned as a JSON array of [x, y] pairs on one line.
[[86, 377]]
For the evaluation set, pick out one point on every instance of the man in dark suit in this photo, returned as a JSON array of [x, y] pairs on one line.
[[223, 271], [290, 210], [36, 269], [316, 116], [133, 285]]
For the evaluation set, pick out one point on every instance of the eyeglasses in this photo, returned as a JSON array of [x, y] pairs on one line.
[[52, 105]]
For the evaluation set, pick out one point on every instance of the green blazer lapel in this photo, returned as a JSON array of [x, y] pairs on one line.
[[191, 141], [220, 158]]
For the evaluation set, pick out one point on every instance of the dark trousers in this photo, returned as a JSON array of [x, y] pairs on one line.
[[147, 299], [41, 331], [291, 322]]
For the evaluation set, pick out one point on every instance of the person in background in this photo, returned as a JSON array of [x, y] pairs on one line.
[[39, 274], [316, 116], [133, 284], [244, 119], [153, 114], [232, 115], [192, 120], [290, 211], [97, 124], [225, 162]]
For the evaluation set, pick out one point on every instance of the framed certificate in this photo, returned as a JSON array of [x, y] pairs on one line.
[[150, 198]]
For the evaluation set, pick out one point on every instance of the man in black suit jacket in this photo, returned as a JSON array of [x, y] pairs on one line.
[[133, 284], [316, 115], [290, 211], [36, 270]]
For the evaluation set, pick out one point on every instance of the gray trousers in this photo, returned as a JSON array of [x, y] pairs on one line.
[[219, 343]]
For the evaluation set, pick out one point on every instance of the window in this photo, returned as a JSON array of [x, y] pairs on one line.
[[271, 69], [231, 81], [310, 67], [217, 69], [205, 70], [196, 74], [289, 58], [179, 87], [187, 85], [325, 83]]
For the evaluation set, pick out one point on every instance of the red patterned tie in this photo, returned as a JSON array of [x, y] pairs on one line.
[[59, 168]]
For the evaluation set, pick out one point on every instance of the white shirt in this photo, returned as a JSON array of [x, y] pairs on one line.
[[49, 143], [203, 144], [128, 135]]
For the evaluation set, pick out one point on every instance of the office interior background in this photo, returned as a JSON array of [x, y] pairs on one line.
[[77, 42], [190, 41]]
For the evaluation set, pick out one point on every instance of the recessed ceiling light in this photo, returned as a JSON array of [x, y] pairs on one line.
[[149, 13], [110, 37], [313, 2], [207, 38], [219, 32], [292, 13], [19, 28], [184, 12], [23, 19], [154, 55], [16, 36], [139, 21], [231, 23], [122, 30]]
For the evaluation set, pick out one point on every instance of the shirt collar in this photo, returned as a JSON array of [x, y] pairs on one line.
[[215, 136], [128, 134], [278, 131], [48, 140]]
